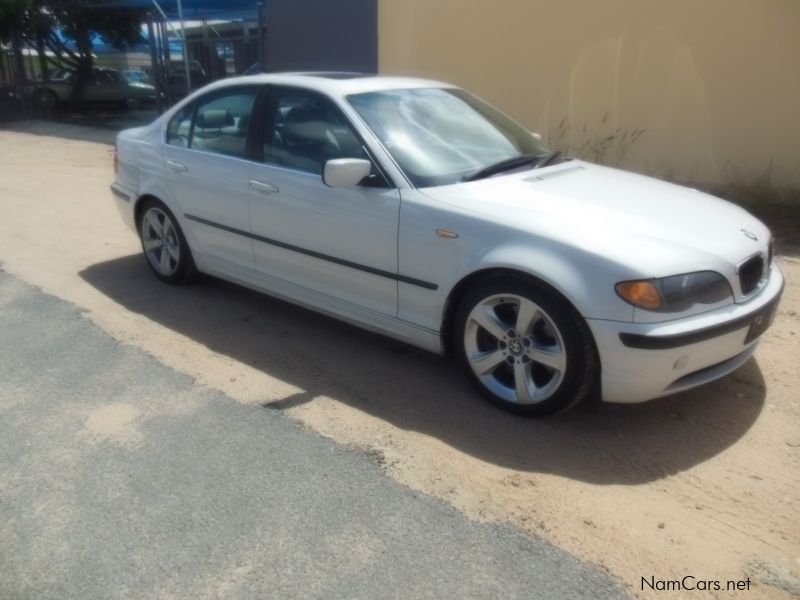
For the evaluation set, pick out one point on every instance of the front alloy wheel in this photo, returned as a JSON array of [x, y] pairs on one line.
[[524, 346], [515, 349]]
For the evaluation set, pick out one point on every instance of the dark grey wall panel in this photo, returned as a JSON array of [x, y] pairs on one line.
[[337, 35]]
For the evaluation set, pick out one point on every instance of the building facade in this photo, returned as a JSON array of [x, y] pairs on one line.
[[702, 91]]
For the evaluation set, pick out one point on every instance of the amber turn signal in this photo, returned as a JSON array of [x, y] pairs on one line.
[[642, 294]]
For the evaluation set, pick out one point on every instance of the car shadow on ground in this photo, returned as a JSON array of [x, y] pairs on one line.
[[415, 390]]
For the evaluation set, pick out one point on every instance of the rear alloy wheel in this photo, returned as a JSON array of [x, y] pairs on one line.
[[524, 347], [164, 245], [45, 99]]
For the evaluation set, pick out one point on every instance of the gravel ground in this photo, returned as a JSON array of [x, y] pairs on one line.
[[703, 483]]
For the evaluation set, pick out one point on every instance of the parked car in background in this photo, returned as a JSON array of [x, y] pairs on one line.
[[105, 85], [58, 74], [174, 82], [415, 209]]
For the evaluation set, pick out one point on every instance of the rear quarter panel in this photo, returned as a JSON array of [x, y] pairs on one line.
[[141, 165]]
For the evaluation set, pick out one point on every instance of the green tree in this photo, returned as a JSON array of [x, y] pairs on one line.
[[11, 12], [51, 23]]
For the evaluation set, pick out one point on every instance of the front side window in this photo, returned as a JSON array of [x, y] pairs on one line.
[[221, 122], [442, 136], [306, 130]]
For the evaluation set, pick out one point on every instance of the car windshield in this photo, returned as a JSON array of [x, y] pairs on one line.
[[443, 136]]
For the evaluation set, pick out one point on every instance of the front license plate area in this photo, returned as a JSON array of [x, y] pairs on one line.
[[761, 322]]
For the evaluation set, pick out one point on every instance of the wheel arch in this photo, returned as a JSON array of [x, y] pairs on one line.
[[47, 90], [588, 290], [139, 205], [584, 279], [466, 282], [150, 187], [579, 381]]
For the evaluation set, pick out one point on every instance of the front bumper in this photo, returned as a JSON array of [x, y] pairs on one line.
[[641, 361]]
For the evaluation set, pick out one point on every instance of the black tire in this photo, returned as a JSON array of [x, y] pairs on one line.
[[560, 326], [45, 99], [184, 269]]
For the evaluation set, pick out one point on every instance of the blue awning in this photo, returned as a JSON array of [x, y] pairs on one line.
[[195, 9]]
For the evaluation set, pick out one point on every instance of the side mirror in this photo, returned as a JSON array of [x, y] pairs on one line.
[[345, 172]]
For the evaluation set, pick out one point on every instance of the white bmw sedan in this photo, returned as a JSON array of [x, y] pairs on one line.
[[415, 209]]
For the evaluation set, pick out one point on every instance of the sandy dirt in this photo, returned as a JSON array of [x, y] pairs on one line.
[[705, 483]]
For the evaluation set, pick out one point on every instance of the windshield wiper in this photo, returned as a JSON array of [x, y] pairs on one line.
[[547, 159], [508, 164]]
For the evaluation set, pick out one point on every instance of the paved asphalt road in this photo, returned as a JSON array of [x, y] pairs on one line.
[[120, 478]]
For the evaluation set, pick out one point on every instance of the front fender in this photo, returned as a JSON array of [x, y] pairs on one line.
[[586, 280]]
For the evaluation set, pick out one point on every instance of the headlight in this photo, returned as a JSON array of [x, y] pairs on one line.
[[677, 293]]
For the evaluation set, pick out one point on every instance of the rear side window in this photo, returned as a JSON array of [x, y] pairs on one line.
[[180, 127], [222, 120]]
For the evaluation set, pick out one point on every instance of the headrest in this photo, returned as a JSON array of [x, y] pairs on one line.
[[214, 119], [307, 124]]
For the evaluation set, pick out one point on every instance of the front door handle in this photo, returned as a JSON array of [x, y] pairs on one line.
[[263, 188], [176, 166]]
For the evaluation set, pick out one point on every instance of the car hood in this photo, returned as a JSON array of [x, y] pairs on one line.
[[643, 222]]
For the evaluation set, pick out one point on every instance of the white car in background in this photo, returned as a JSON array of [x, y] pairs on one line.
[[412, 208]]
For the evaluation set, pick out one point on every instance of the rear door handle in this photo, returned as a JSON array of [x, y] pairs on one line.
[[176, 166], [263, 188]]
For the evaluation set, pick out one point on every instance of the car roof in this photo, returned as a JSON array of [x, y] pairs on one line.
[[335, 83]]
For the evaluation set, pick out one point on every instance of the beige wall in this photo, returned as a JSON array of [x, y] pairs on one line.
[[715, 84]]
